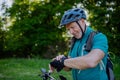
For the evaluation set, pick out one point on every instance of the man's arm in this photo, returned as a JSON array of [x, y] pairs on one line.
[[88, 61]]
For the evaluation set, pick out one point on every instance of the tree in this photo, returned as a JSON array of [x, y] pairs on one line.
[[104, 16], [34, 29], [1, 36]]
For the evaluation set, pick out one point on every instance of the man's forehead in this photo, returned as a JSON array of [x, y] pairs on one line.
[[69, 24]]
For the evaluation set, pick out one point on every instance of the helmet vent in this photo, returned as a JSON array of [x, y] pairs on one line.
[[76, 9], [81, 11], [65, 17], [77, 15], [70, 16]]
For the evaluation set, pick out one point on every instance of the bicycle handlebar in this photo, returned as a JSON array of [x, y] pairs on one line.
[[46, 75]]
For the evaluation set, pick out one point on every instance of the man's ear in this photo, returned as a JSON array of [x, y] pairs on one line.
[[83, 20]]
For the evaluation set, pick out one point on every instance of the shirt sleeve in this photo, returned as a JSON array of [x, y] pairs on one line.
[[100, 42]]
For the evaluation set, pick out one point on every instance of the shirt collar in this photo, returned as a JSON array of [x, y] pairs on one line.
[[87, 32]]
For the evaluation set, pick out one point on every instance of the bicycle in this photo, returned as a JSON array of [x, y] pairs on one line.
[[46, 75]]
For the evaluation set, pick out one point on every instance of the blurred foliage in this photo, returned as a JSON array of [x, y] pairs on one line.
[[34, 26], [104, 16], [1, 36]]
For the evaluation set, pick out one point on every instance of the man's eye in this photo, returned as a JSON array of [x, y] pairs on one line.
[[72, 27]]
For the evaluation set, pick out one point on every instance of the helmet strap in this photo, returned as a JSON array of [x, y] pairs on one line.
[[83, 32]]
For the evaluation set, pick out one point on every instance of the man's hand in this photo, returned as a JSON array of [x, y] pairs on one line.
[[58, 64]]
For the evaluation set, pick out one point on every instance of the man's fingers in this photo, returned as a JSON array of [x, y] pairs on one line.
[[59, 57], [51, 69]]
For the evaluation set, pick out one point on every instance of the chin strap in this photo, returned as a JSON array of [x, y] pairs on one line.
[[83, 32]]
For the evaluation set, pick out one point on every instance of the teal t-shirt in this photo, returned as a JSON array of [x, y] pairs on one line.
[[99, 42]]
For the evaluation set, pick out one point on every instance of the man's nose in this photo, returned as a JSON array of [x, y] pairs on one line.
[[71, 31]]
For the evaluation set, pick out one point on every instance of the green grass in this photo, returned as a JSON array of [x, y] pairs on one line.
[[29, 69], [24, 69]]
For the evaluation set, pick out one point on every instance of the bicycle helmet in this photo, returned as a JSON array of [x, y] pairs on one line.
[[72, 15]]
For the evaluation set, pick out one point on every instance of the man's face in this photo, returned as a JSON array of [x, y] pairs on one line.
[[74, 29]]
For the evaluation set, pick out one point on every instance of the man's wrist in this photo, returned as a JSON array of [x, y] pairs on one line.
[[63, 59]]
